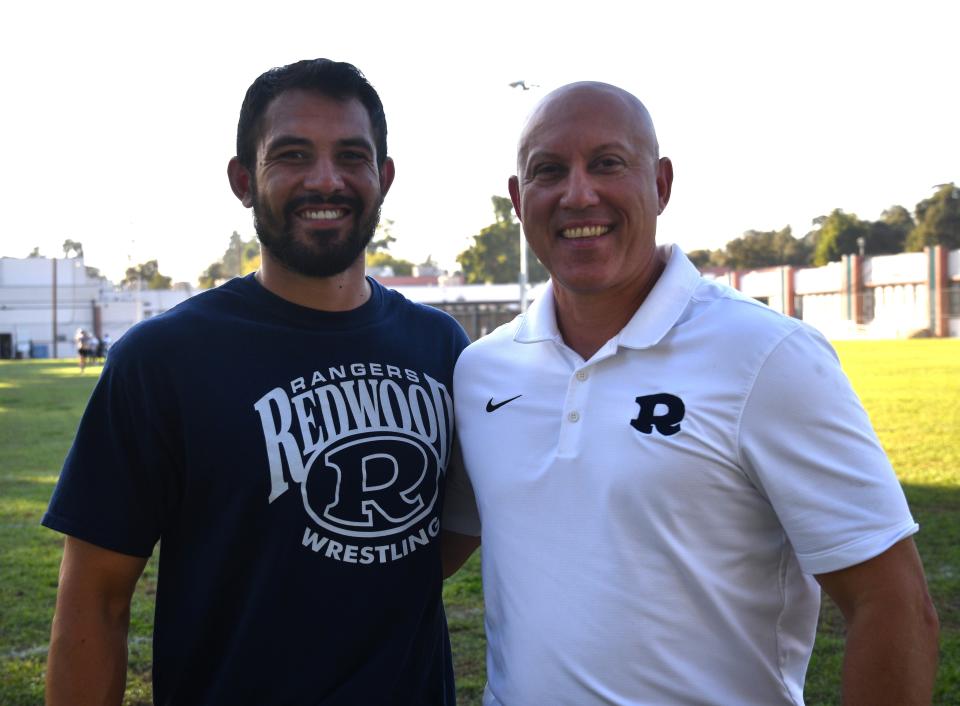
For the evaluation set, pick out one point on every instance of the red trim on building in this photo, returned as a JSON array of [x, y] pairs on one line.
[[789, 290], [940, 294]]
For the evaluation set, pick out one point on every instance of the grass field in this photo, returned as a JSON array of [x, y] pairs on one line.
[[910, 388]]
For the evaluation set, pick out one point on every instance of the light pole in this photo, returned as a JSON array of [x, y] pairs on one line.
[[523, 273], [523, 85]]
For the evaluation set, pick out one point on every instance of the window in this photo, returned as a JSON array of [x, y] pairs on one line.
[[953, 301]]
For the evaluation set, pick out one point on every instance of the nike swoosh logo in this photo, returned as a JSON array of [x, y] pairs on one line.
[[491, 407]]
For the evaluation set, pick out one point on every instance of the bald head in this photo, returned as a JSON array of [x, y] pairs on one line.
[[589, 188], [588, 102]]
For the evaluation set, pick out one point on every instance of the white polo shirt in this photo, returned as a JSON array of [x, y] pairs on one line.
[[651, 517]]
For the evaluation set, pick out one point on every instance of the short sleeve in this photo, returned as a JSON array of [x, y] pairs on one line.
[[460, 506], [118, 480], [807, 443]]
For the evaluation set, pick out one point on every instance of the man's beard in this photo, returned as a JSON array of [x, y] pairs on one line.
[[321, 255]]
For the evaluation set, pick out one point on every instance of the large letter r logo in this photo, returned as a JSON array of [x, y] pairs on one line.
[[667, 423]]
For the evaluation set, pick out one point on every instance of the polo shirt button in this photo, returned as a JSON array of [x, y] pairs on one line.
[[581, 375], [574, 416]]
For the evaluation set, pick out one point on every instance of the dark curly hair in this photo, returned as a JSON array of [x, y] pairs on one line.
[[336, 79]]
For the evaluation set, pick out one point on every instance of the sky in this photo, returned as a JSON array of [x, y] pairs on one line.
[[119, 118]]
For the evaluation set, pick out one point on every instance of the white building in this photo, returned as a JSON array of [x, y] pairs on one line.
[[885, 296], [44, 301], [889, 296]]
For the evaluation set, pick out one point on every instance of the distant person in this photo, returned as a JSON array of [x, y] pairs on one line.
[[291, 465], [93, 348], [104, 346], [665, 469], [82, 341]]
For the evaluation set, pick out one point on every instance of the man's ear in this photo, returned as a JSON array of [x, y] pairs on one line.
[[513, 186], [240, 182], [664, 182], [387, 173]]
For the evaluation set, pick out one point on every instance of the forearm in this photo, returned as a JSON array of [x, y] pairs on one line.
[[891, 657], [87, 663]]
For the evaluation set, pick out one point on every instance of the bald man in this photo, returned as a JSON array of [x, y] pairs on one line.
[[666, 472]]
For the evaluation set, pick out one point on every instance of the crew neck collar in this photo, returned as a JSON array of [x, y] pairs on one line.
[[285, 310]]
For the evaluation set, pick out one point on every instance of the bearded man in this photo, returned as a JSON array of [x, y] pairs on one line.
[[285, 437]]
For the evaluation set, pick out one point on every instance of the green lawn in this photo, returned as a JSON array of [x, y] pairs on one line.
[[910, 388]]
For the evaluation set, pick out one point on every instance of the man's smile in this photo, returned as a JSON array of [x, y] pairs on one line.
[[326, 214], [585, 231]]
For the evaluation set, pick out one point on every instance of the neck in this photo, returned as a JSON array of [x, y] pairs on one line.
[[587, 320], [341, 292]]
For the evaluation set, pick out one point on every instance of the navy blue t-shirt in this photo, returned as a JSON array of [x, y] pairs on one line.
[[291, 464]]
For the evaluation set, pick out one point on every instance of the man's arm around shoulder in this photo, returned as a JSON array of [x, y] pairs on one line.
[[87, 663], [892, 629]]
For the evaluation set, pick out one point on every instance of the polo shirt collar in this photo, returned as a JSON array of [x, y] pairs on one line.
[[659, 312], [540, 322]]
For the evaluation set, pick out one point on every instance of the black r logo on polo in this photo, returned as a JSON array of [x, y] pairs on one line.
[[662, 412], [494, 406]]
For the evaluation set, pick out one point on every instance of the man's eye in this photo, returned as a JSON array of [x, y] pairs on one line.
[[608, 163], [293, 155], [351, 156], [545, 171]]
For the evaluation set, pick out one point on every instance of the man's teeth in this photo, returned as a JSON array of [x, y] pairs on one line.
[[585, 232], [324, 215]]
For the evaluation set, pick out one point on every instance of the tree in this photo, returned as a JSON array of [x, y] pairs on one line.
[[495, 253], [377, 255], [938, 220], [210, 276], [838, 236], [232, 259], [765, 248], [35, 252], [148, 275], [756, 248], [72, 246], [386, 239], [700, 258], [401, 268], [889, 234], [240, 258]]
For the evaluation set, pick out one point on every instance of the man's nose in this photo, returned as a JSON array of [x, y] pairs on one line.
[[324, 177], [579, 191]]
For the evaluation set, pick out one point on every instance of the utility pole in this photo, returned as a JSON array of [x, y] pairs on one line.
[[53, 346]]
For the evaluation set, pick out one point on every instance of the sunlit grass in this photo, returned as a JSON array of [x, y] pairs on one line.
[[911, 390]]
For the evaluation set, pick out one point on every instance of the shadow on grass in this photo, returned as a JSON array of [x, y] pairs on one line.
[[937, 510]]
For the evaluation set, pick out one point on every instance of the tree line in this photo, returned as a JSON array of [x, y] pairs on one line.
[[934, 221], [243, 256], [494, 255]]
